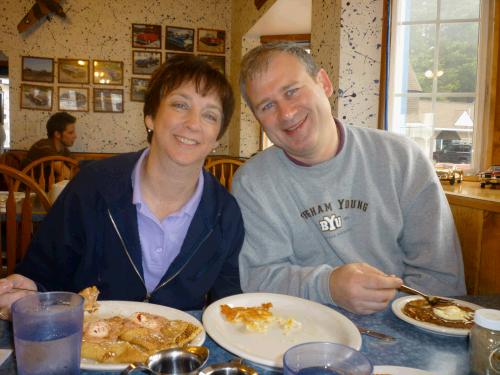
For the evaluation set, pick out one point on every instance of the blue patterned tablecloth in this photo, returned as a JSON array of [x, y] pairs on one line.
[[412, 348]]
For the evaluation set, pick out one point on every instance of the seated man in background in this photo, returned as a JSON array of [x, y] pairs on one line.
[[333, 213], [61, 134]]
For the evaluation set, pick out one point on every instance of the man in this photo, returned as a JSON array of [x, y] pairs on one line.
[[334, 213], [61, 134]]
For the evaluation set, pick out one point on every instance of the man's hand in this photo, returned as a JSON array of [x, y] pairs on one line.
[[8, 295], [361, 288]]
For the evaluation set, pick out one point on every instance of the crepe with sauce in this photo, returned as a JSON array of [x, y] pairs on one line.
[[452, 314], [128, 339]]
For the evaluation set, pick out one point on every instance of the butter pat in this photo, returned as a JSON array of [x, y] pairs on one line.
[[452, 313]]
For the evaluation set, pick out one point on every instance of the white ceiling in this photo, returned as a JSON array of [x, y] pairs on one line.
[[284, 17]]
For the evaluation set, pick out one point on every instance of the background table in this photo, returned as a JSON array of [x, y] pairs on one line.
[[412, 348]]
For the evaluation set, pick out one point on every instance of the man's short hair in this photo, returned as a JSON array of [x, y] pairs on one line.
[[183, 69], [58, 123], [257, 61]]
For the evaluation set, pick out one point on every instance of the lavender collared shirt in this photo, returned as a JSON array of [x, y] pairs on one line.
[[161, 241]]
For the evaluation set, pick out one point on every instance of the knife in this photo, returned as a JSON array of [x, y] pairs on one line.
[[378, 335]]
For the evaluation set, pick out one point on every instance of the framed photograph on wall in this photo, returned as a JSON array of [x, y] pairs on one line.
[[138, 88], [169, 55], [179, 39], [146, 36], [36, 97], [217, 62], [145, 62], [73, 99], [108, 100], [73, 71], [210, 40], [108, 72], [38, 69]]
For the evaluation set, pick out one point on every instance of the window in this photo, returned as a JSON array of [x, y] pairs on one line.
[[436, 76]]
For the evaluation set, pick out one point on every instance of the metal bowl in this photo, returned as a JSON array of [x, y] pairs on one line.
[[234, 367], [176, 361]]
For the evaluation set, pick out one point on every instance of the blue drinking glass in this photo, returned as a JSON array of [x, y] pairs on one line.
[[325, 358]]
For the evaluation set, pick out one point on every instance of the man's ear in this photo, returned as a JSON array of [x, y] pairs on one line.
[[323, 79], [57, 135]]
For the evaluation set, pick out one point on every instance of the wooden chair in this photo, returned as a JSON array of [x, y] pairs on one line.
[[44, 171], [224, 170], [17, 222]]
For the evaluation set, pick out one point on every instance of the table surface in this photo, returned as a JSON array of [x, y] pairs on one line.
[[412, 348]]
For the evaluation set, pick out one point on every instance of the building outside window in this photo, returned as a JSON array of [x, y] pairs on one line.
[[436, 76]]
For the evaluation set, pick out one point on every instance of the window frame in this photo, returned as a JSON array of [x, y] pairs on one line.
[[481, 94]]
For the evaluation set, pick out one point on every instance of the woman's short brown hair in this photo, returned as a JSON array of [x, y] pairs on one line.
[[183, 69]]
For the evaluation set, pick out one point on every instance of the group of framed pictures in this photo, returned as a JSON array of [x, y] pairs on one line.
[[71, 71], [180, 39], [177, 40]]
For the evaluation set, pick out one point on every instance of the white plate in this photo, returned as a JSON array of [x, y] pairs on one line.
[[319, 323], [397, 308], [396, 370], [108, 309]]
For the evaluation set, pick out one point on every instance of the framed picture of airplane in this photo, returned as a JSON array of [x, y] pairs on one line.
[[179, 39], [210, 40], [145, 62], [73, 71], [108, 100], [73, 99], [36, 97], [146, 36], [38, 69], [108, 72]]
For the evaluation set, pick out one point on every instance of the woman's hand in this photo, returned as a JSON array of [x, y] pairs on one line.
[[9, 295]]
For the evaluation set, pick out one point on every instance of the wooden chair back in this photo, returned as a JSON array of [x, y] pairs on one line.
[[17, 219], [44, 172], [224, 170], [11, 159]]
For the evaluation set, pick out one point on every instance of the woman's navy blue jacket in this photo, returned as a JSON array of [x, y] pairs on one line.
[[90, 237]]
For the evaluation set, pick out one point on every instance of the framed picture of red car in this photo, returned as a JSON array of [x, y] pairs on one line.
[[146, 36], [36, 97], [73, 99], [210, 40], [145, 62], [108, 100], [179, 39]]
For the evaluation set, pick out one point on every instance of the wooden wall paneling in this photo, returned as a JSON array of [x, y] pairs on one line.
[[469, 224], [489, 275]]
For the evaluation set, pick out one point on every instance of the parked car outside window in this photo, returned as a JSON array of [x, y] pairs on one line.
[[456, 153]]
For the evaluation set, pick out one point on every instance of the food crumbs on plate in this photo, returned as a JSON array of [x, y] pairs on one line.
[[258, 318]]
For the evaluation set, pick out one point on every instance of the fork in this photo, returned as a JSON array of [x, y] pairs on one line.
[[432, 300]]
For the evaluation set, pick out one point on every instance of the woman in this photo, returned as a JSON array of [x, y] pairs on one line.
[[151, 225]]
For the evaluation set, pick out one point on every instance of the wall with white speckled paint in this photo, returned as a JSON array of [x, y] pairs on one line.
[[97, 29], [360, 57]]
